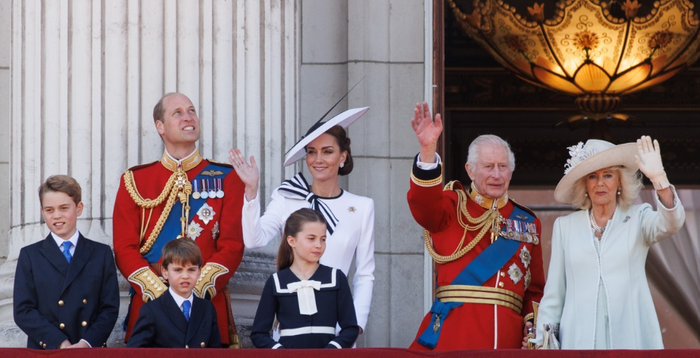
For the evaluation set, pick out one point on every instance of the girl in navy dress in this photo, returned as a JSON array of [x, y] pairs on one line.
[[307, 298]]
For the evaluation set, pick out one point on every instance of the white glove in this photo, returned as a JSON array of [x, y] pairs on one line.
[[649, 162]]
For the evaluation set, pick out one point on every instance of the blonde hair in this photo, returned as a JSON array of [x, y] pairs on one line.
[[630, 185]]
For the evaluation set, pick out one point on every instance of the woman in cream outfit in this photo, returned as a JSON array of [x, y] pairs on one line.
[[597, 290], [349, 217]]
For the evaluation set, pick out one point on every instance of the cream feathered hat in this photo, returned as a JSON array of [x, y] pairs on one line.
[[586, 158]]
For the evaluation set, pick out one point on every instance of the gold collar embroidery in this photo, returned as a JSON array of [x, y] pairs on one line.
[[186, 163], [484, 202]]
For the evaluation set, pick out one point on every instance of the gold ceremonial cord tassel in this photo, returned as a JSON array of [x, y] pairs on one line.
[[486, 222], [532, 330], [176, 186], [184, 189]]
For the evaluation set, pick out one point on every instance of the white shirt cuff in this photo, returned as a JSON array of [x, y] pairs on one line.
[[428, 166]]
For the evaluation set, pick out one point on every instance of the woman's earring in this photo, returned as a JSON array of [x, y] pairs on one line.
[[619, 191], [586, 194], [342, 164]]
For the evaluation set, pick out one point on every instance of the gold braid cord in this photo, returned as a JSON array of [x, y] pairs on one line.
[[487, 221], [177, 186], [151, 285], [206, 280]]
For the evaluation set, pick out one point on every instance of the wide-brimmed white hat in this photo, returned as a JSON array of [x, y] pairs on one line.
[[586, 158], [344, 120]]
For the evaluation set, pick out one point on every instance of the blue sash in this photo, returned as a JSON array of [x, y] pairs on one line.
[[171, 227], [480, 269]]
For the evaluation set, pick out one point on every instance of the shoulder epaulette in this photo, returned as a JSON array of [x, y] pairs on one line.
[[522, 207], [220, 163], [134, 168], [454, 185]]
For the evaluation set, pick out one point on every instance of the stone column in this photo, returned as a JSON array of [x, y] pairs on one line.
[[5, 31], [383, 44], [387, 46], [85, 76]]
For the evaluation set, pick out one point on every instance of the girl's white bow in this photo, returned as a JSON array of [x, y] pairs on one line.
[[305, 295]]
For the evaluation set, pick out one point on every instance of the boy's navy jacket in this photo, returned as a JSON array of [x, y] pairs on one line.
[[55, 300], [162, 324]]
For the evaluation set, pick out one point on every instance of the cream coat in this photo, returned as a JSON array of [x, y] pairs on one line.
[[572, 283]]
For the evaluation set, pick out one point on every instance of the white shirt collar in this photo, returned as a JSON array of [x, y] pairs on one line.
[[73, 239], [178, 299]]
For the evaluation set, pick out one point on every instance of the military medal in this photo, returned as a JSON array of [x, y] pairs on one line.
[[220, 192], [515, 273], [205, 193], [206, 213], [194, 230], [436, 325], [215, 231], [519, 231], [195, 192], [212, 192], [525, 256]]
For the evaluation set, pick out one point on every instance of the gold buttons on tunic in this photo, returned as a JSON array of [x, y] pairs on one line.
[[501, 284], [84, 301], [60, 303], [61, 326], [84, 323], [186, 346], [203, 345], [44, 345], [503, 274]]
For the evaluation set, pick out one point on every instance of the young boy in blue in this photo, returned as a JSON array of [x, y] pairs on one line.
[[178, 319], [66, 293], [308, 299]]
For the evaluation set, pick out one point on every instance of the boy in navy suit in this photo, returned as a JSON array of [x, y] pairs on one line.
[[66, 293], [178, 319]]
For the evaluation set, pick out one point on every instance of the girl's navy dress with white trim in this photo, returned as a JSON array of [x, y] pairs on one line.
[[334, 305]]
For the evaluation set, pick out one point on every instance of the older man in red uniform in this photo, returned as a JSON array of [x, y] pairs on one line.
[[486, 246], [184, 197]]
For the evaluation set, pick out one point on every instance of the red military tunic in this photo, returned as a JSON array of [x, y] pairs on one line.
[[474, 325], [218, 235]]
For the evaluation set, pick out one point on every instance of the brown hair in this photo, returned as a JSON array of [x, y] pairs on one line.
[[341, 137], [181, 251], [61, 183], [294, 224], [158, 109]]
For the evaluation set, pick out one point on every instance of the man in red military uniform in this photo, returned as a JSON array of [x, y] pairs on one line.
[[486, 246], [185, 197]]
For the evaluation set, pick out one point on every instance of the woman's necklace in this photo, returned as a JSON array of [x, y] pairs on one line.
[[598, 230]]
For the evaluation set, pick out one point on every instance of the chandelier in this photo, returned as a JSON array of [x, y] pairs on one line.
[[584, 50]]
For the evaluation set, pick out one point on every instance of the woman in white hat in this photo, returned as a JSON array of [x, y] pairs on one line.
[[597, 291], [349, 217]]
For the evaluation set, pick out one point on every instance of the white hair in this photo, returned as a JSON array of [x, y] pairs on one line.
[[488, 139]]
